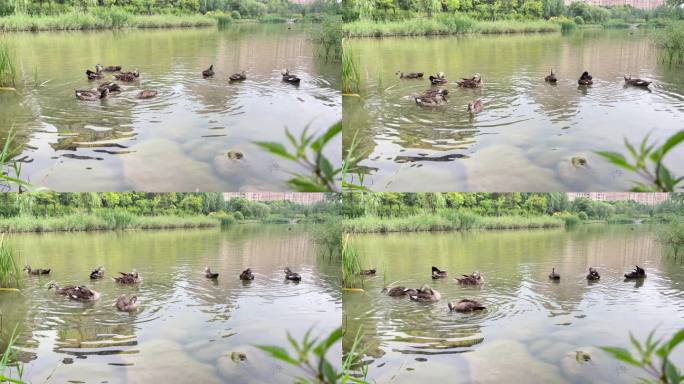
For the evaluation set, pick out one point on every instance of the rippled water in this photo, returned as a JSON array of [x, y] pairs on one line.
[[532, 327], [187, 325], [532, 128], [179, 140]]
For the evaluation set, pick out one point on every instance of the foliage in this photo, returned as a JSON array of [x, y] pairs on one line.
[[653, 357], [6, 363], [10, 271], [8, 73], [351, 76], [7, 164], [328, 37], [351, 264], [308, 154], [658, 177], [328, 235], [310, 357], [670, 41], [673, 234]]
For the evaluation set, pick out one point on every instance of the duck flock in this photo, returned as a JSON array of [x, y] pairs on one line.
[[123, 303], [105, 88], [427, 294], [435, 97]]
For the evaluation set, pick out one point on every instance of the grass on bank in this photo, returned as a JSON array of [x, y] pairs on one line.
[[102, 221], [448, 221], [10, 271], [8, 72]]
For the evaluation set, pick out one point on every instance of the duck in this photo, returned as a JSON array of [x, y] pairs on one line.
[[432, 98], [36, 271], [77, 293], [410, 75], [473, 82], [128, 76], [92, 95], [126, 304], [637, 273], [426, 294], [247, 274], [112, 68], [209, 274], [475, 107], [438, 79], [554, 275], [473, 279], [465, 305], [128, 278], [593, 274], [289, 275], [209, 72], [399, 291], [288, 78], [437, 273], [636, 82], [111, 87], [97, 273], [368, 272], [95, 75], [147, 94], [585, 79], [551, 78], [238, 76]]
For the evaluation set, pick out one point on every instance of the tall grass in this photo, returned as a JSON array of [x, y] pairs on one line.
[[6, 363], [328, 235], [102, 221], [10, 272], [351, 76], [673, 234], [8, 72], [351, 264], [328, 37], [670, 41]]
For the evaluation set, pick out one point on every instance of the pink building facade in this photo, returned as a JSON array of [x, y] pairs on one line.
[[645, 198], [641, 4], [295, 197]]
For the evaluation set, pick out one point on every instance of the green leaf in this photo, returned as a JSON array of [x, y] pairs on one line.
[[617, 159], [672, 142], [327, 168], [301, 184], [327, 136], [635, 343], [333, 338], [276, 149], [329, 372], [278, 353], [622, 355], [672, 373], [671, 344], [665, 178]]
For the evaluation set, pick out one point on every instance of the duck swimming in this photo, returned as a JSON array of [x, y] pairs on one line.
[[288, 78], [426, 294], [585, 79], [73, 292], [126, 304], [437, 273], [97, 273], [466, 305], [473, 279], [289, 275], [238, 76], [209, 72], [439, 79], [637, 273], [368, 272], [95, 75], [551, 78], [112, 68], [432, 98], [636, 82], [554, 275], [111, 87], [399, 291], [593, 274], [128, 76], [209, 274], [128, 278], [473, 82], [92, 95], [247, 274], [36, 271], [475, 107], [410, 75], [147, 94]]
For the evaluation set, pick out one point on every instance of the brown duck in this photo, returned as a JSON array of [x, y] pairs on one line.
[[209, 274], [554, 275], [111, 87], [593, 274], [112, 68], [36, 271], [238, 76], [636, 82], [147, 94], [637, 273], [289, 275], [288, 78], [437, 273], [399, 291], [126, 304], [95, 75], [368, 272], [551, 78], [475, 107], [585, 79], [97, 273], [247, 274], [128, 76], [209, 72], [426, 294], [410, 75], [127, 278], [92, 95], [465, 305], [432, 98], [473, 82], [74, 292], [438, 79], [473, 279]]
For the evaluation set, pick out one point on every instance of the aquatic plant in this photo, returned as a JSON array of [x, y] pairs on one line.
[[8, 73], [10, 272], [672, 234], [670, 40], [6, 363], [351, 264], [351, 76], [310, 357], [7, 164], [117, 218], [658, 177], [308, 153], [101, 222], [328, 235], [328, 37], [653, 357]]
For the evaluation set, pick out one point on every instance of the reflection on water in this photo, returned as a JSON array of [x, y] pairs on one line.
[[178, 140], [186, 323], [533, 127], [532, 327]]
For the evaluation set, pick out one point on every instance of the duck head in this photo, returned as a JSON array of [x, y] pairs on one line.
[[52, 285], [285, 72], [104, 94], [27, 268], [98, 68]]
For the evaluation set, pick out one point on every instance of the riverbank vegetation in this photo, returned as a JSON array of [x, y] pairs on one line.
[[670, 41], [412, 212], [10, 271], [8, 72]]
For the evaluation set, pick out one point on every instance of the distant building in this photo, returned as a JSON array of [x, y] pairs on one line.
[[646, 198], [295, 197], [641, 4]]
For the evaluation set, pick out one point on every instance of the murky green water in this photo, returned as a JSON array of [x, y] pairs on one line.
[[532, 327], [186, 326], [179, 140], [531, 128]]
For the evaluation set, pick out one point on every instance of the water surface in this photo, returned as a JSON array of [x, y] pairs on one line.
[[529, 128], [187, 326], [532, 327], [179, 140]]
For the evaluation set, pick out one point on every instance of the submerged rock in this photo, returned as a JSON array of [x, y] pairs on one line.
[[582, 356], [238, 356], [578, 161], [235, 155]]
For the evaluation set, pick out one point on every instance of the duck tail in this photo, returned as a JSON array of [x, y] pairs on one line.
[[451, 306]]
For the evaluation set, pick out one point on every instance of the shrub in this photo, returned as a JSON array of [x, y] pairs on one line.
[[238, 216], [582, 216], [235, 15], [578, 20]]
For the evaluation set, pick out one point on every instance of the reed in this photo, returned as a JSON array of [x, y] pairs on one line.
[[351, 76], [10, 271], [102, 221], [328, 37], [351, 264], [8, 72], [6, 363], [670, 41]]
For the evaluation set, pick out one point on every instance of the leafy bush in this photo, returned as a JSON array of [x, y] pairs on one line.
[[235, 15], [578, 20], [583, 216]]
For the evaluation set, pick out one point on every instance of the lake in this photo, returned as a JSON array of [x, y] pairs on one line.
[[178, 141], [187, 326], [532, 327], [533, 128]]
